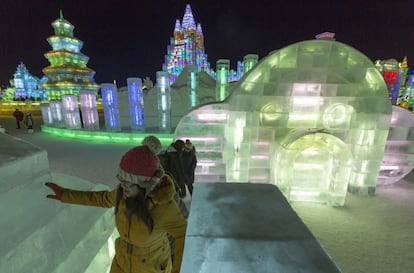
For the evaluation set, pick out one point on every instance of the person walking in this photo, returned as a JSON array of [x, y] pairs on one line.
[[171, 161], [28, 121], [189, 164], [144, 213], [18, 115]]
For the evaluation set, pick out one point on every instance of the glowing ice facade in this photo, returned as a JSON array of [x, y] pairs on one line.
[[109, 94], [67, 73], [136, 103], [311, 118]]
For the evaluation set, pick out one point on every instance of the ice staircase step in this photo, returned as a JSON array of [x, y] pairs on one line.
[[20, 162], [44, 235], [69, 231]]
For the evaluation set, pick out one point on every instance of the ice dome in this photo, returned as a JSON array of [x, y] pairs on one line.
[[325, 95]]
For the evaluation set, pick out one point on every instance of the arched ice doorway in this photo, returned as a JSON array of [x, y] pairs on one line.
[[313, 166]]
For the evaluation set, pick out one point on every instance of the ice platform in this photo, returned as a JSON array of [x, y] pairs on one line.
[[244, 227], [40, 234]]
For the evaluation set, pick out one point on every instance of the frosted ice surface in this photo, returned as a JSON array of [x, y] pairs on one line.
[[230, 231], [44, 235]]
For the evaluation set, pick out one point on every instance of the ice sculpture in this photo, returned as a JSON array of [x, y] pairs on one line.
[[71, 111], [56, 111], [311, 118], [109, 93], [164, 101], [222, 80], [136, 104], [398, 158], [46, 114], [249, 61], [90, 117]]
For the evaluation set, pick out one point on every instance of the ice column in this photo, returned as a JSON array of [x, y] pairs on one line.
[[56, 110], [136, 103], [89, 110], [398, 158], [249, 61], [71, 111], [109, 93], [222, 81], [164, 101], [192, 85], [240, 69], [46, 114]]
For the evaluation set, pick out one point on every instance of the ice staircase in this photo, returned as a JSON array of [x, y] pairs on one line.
[[44, 235]]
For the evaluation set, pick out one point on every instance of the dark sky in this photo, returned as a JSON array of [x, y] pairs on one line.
[[129, 38]]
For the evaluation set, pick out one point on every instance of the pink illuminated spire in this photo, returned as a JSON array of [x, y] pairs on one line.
[[188, 19]]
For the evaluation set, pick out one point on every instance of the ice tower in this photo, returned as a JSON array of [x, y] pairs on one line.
[[186, 47], [67, 73], [393, 72], [26, 85], [312, 118]]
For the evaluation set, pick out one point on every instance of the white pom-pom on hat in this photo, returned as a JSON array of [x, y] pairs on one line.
[[153, 143]]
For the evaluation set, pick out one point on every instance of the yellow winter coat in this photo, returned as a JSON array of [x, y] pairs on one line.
[[137, 250]]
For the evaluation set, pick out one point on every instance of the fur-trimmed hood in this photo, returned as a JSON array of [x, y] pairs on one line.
[[164, 192]]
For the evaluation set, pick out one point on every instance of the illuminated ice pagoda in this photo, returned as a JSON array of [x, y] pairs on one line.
[[26, 85], [394, 74], [187, 49], [67, 73], [312, 118]]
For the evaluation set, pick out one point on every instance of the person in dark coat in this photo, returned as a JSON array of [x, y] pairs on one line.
[[18, 116], [28, 121], [171, 161], [189, 163]]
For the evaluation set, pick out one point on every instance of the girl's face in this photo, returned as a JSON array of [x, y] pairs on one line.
[[129, 189]]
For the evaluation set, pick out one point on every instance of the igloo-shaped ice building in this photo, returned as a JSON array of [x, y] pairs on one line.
[[312, 118]]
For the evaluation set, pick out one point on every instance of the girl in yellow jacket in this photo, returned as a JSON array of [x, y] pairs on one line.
[[144, 213]]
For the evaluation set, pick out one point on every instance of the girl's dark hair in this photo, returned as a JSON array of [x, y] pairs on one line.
[[138, 205]]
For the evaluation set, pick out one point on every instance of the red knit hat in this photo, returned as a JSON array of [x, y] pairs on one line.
[[140, 166]]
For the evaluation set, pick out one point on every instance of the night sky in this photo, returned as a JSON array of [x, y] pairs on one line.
[[129, 38]]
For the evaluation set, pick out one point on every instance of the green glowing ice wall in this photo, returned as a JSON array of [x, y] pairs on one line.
[[312, 106]]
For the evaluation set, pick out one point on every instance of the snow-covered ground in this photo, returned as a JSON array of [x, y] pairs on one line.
[[369, 234]]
